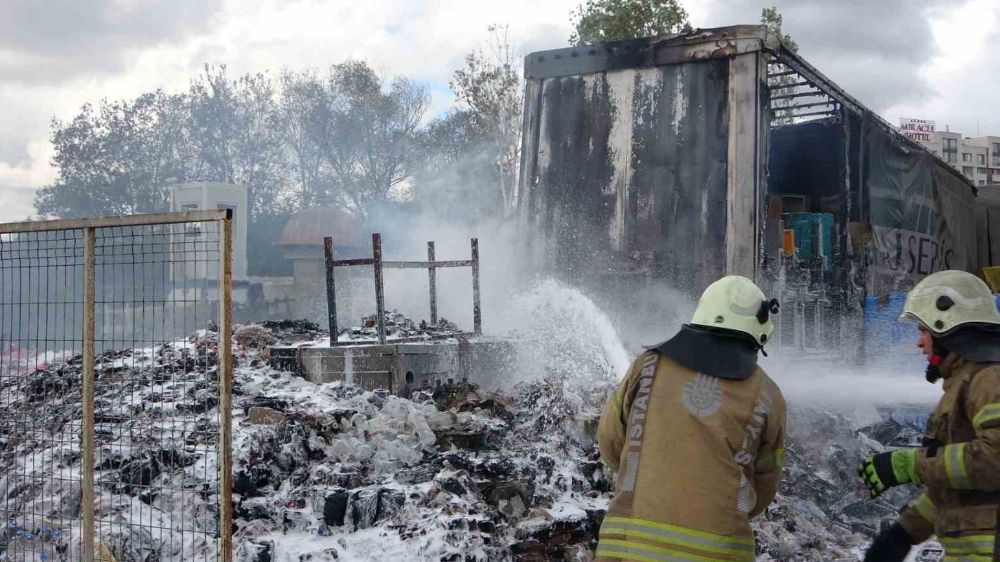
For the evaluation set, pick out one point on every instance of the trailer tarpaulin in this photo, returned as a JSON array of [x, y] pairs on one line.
[[923, 216]]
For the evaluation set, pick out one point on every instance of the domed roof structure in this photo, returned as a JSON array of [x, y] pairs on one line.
[[308, 227]]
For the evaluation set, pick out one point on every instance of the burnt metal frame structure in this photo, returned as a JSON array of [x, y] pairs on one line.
[[88, 452], [378, 264], [791, 81]]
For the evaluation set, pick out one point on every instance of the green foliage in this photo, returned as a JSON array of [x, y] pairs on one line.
[[491, 100], [116, 158], [347, 138], [599, 21], [234, 129], [771, 19], [369, 137]]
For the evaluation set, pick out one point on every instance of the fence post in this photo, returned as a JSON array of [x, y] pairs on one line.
[[379, 295], [87, 530], [225, 389], [432, 277], [477, 314], [331, 294]]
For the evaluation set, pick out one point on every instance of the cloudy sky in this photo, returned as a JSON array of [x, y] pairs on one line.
[[933, 59]]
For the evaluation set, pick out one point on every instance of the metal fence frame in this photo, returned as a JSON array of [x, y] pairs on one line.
[[378, 265], [90, 226]]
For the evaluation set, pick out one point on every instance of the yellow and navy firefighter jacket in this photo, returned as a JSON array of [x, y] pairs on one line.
[[696, 457], [960, 464]]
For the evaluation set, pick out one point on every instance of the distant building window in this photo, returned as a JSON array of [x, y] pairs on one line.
[[967, 170], [966, 157], [982, 182], [981, 170], [951, 144], [191, 228], [980, 159], [996, 148], [952, 158]]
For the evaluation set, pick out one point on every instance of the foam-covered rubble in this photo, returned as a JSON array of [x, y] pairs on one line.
[[331, 472]]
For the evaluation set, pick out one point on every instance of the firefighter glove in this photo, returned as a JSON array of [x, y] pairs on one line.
[[891, 545], [885, 470]]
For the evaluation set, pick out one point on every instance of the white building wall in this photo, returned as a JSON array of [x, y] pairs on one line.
[[212, 195]]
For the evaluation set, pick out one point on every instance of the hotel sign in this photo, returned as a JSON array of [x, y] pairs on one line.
[[917, 129]]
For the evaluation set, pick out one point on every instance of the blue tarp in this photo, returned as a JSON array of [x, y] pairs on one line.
[[882, 326]]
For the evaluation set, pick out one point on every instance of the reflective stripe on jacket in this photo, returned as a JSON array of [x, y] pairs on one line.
[[961, 464], [696, 457]]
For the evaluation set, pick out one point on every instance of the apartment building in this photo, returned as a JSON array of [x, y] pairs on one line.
[[978, 158]]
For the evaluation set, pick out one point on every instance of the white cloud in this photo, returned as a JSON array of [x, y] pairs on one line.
[[428, 40], [964, 74]]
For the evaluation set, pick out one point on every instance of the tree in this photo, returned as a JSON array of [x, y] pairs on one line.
[[457, 179], [235, 128], [771, 19], [305, 118], [116, 158], [599, 21], [490, 91], [367, 133]]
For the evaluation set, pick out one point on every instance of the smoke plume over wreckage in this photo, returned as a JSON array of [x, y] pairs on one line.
[[441, 443]]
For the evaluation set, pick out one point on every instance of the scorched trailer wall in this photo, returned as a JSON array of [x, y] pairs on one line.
[[637, 152], [669, 159]]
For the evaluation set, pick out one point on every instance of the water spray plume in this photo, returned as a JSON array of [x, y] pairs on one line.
[[573, 337]]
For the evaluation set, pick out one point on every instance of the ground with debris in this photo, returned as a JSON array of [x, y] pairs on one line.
[[330, 472]]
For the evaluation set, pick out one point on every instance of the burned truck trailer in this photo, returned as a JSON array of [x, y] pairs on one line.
[[681, 158]]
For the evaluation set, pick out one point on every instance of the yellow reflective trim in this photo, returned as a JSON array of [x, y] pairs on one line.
[[675, 539], [968, 557], [616, 405], [925, 507], [972, 545], [646, 552], [954, 465], [683, 530], [989, 413], [770, 461]]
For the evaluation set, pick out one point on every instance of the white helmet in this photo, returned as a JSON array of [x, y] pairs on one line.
[[946, 300], [735, 303]]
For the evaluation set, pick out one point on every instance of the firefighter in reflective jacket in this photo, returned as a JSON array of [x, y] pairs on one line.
[[695, 432], [959, 462]]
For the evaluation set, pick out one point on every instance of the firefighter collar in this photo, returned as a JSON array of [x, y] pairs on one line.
[[711, 353]]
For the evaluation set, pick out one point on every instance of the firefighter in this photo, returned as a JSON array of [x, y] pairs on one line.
[[959, 460], [695, 432]]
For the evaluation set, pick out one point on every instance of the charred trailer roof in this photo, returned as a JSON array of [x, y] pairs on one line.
[[660, 159]]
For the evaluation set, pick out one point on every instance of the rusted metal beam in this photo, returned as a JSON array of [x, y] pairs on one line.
[[647, 52], [785, 73], [432, 279], [477, 315], [379, 294], [87, 530], [117, 220], [829, 112], [774, 87], [804, 105], [331, 295], [225, 373], [800, 95], [425, 264]]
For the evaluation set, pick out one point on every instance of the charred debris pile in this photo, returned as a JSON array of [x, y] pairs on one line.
[[331, 472]]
